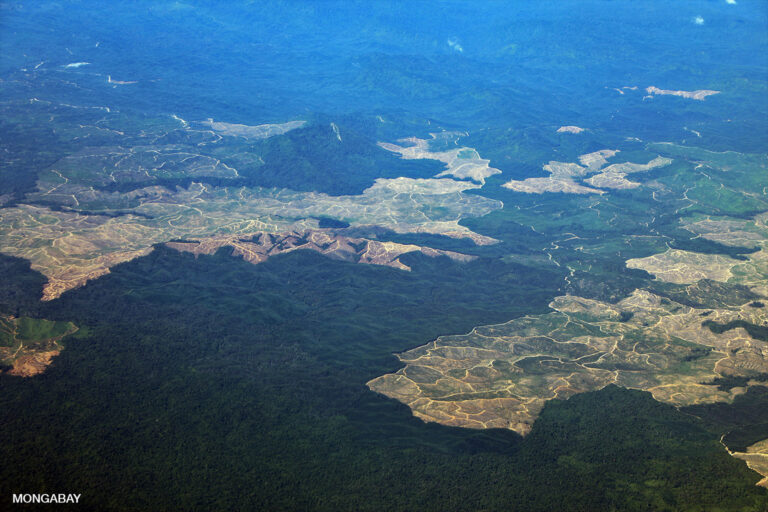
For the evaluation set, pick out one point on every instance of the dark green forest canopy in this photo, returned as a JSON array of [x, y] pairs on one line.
[[230, 376]]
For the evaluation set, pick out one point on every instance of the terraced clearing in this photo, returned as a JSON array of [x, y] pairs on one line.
[[500, 376]]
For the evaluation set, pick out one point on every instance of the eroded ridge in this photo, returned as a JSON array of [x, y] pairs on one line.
[[261, 246], [28, 345], [565, 176], [461, 162], [500, 376]]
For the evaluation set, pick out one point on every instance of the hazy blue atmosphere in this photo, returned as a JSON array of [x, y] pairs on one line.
[[384, 255]]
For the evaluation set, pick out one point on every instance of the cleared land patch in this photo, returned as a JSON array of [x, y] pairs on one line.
[[678, 266], [565, 176], [461, 162], [756, 458], [500, 376], [693, 95], [28, 345], [70, 248]]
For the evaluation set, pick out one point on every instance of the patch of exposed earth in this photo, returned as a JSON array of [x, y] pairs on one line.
[[756, 458], [70, 245], [570, 129], [693, 95], [678, 266], [28, 345], [566, 176], [461, 162], [79, 222], [500, 376], [615, 176], [70, 248], [682, 267], [262, 131]]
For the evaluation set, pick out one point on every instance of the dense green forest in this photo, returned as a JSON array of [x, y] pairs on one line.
[[211, 383]]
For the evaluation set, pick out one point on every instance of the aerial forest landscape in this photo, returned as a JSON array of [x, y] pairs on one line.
[[384, 256]]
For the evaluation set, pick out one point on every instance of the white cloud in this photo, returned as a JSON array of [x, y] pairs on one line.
[[732, 2], [454, 43], [698, 20]]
